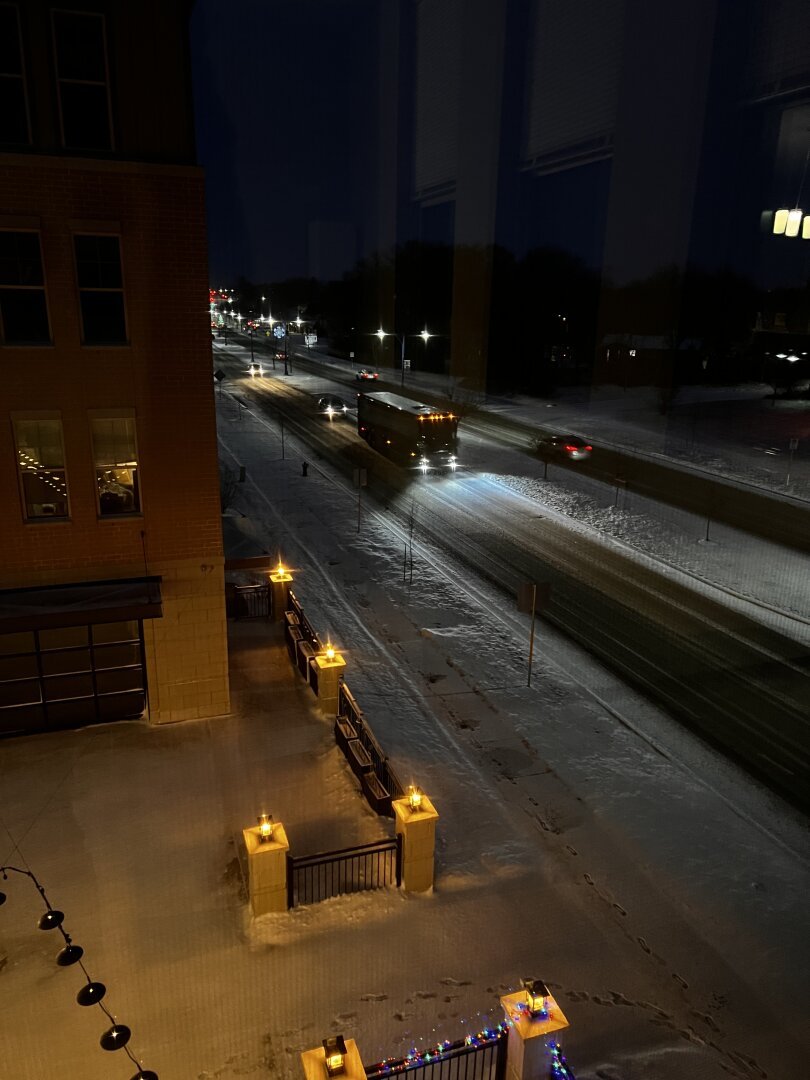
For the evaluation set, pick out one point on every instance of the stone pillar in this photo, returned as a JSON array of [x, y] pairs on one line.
[[314, 1063], [280, 585], [418, 831], [330, 670], [267, 869], [527, 1052]]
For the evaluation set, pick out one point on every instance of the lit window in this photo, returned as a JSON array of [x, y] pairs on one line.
[[81, 76], [14, 127], [101, 290], [23, 310], [116, 460], [41, 463]]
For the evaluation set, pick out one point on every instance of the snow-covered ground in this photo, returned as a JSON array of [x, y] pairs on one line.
[[585, 837]]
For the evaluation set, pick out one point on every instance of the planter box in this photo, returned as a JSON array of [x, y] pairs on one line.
[[377, 797], [357, 757], [344, 731], [305, 654], [293, 636]]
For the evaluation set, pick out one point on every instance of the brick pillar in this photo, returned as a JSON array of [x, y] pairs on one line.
[[418, 831], [314, 1064], [267, 869], [527, 1052], [280, 585], [329, 671]]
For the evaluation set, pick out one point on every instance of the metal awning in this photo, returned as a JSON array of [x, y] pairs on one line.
[[49, 606]]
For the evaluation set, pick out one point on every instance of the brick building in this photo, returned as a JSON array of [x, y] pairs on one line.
[[112, 601]]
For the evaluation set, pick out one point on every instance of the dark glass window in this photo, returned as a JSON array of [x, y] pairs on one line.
[[98, 271], [23, 308], [82, 78], [13, 107]]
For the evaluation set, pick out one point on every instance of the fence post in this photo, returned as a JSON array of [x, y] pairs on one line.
[[279, 587], [267, 869], [315, 1065], [418, 831], [528, 1052], [330, 671]]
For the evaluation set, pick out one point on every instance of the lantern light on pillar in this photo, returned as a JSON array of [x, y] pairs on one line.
[[330, 652], [537, 995], [266, 826], [281, 573], [414, 799], [780, 220], [334, 1049]]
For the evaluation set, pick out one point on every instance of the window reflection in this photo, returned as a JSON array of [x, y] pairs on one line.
[[116, 462], [41, 463]]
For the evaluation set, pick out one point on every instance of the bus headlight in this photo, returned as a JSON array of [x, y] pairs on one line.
[[424, 464], [453, 461]]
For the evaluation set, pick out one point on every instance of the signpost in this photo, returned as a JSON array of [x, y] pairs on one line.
[[532, 597], [793, 446], [360, 481]]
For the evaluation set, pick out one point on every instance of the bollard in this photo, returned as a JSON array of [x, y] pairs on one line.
[[304, 467]]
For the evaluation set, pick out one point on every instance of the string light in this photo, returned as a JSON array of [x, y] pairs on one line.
[[115, 1037]]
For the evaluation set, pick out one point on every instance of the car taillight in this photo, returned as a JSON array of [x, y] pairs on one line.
[[587, 448], [569, 448]]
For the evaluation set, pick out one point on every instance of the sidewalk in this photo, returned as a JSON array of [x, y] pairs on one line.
[[135, 833]]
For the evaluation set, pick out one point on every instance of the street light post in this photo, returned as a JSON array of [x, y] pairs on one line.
[[383, 334]]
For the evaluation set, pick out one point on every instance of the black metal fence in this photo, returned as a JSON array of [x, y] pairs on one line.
[[248, 601], [305, 626], [483, 1058], [380, 782], [312, 878]]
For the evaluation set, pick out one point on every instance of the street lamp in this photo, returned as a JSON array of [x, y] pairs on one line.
[[425, 335]]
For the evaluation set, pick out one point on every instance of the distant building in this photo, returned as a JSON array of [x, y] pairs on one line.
[[112, 601]]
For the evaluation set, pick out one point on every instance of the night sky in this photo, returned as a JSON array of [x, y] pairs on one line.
[[288, 99], [285, 114]]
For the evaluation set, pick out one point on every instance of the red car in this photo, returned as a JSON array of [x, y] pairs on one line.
[[364, 374]]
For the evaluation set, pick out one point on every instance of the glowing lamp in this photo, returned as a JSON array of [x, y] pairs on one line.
[[334, 1050], [780, 220], [414, 799], [537, 995], [330, 652], [281, 573], [794, 220], [266, 826], [806, 227]]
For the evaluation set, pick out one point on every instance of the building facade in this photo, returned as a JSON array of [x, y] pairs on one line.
[[112, 602]]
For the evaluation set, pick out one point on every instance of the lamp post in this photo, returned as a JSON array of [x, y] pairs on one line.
[[425, 335]]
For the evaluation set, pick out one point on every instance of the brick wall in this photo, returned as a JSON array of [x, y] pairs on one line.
[[165, 375]]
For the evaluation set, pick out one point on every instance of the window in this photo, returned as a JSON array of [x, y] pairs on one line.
[[116, 460], [82, 79], [101, 290], [14, 126], [41, 462], [23, 311]]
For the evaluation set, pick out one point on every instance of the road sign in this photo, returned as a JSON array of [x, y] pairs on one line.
[[219, 375], [794, 444], [361, 478], [279, 330]]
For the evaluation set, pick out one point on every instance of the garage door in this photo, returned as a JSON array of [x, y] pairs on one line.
[[69, 676]]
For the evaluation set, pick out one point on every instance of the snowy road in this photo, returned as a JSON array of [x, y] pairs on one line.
[[713, 665]]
